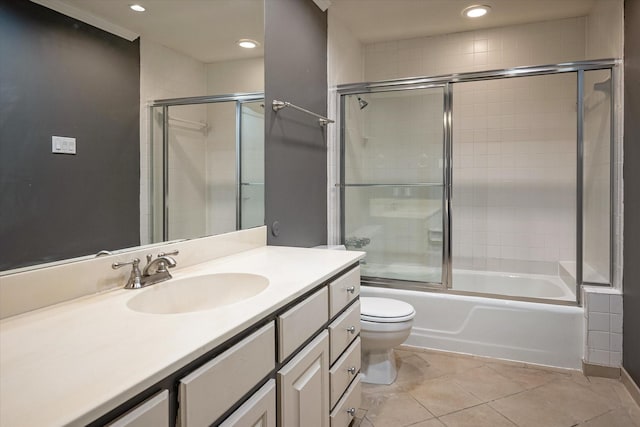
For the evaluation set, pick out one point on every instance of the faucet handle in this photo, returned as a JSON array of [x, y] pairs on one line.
[[134, 281], [161, 254]]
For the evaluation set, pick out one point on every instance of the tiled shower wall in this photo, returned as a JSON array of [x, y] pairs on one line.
[[539, 43], [507, 134], [514, 174]]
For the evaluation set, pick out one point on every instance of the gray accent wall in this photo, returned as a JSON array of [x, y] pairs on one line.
[[59, 76], [631, 274], [295, 144]]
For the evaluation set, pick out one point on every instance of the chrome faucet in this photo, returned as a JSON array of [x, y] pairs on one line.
[[155, 271]]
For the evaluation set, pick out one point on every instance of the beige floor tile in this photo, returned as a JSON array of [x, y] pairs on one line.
[[559, 403], [486, 384], [530, 409], [414, 370], [616, 418], [451, 364], [442, 396], [429, 423], [478, 416], [612, 391], [527, 377], [579, 401], [397, 410]]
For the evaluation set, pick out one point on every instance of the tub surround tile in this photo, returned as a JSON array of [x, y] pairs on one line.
[[603, 325]]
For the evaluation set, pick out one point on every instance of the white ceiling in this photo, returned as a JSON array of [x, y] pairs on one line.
[[378, 20], [208, 29], [203, 29]]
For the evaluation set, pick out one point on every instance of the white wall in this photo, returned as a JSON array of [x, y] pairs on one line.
[[241, 76], [345, 64], [165, 73]]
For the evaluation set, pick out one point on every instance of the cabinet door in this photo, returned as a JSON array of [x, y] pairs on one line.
[[258, 411], [153, 412], [303, 386], [206, 393]]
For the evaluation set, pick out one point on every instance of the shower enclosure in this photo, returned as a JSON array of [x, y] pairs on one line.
[[482, 183], [207, 168]]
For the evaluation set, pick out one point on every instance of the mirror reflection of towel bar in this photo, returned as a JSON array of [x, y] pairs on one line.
[[279, 105]]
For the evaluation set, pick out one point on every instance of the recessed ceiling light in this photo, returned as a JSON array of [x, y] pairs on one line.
[[137, 8], [476, 11], [247, 43]]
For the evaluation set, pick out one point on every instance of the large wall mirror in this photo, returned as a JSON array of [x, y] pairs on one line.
[[153, 148]]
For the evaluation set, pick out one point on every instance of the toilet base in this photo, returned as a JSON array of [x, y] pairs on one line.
[[379, 367]]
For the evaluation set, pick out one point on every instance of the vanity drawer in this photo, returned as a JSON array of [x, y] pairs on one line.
[[259, 410], [301, 322], [206, 393], [346, 408], [343, 290], [343, 330], [344, 370], [153, 412]]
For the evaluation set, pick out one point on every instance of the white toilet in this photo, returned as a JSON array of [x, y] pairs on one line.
[[385, 323]]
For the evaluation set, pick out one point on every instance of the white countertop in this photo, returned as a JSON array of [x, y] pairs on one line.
[[70, 363]]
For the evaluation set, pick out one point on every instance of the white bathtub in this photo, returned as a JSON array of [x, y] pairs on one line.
[[485, 282], [543, 334]]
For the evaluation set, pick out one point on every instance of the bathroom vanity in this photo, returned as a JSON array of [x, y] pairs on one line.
[[287, 356]]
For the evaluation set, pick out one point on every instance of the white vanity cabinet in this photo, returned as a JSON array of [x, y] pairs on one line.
[[296, 367], [344, 348], [303, 386], [153, 412], [209, 391], [311, 384], [258, 411]]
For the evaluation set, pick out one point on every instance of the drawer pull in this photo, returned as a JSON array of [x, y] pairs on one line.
[[351, 289], [352, 329], [351, 411], [352, 370]]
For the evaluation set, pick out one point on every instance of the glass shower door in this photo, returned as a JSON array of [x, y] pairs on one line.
[[251, 171], [392, 183]]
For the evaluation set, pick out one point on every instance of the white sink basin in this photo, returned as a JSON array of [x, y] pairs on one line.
[[197, 293]]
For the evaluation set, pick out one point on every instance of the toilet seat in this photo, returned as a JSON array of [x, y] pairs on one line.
[[385, 310]]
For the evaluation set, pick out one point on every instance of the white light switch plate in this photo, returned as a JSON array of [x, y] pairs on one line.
[[63, 145]]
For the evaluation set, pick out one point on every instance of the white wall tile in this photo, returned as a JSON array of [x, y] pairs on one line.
[[600, 357], [615, 323], [599, 322], [598, 340], [598, 302], [615, 342], [615, 358], [615, 302]]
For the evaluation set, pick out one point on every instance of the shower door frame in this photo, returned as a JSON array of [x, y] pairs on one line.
[[239, 99], [447, 81]]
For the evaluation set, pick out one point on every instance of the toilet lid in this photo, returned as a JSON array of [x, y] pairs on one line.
[[385, 310]]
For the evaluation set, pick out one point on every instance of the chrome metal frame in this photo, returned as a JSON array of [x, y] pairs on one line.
[[238, 98], [578, 67]]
